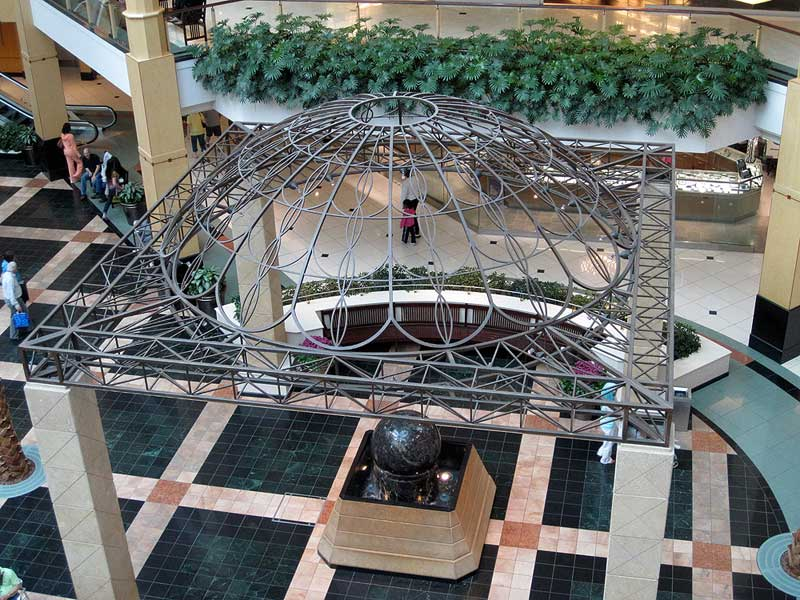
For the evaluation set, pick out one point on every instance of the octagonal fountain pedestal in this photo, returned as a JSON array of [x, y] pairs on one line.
[[412, 503]]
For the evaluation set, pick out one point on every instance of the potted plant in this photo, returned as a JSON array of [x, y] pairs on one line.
[[29, 139], [201, 283], [10, 140], [131, 198]]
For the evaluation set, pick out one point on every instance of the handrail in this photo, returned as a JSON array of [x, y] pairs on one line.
[[73, 107], [669, 10], [73, 122]]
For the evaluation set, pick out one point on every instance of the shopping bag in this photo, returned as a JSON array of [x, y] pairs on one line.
[[21, 320]]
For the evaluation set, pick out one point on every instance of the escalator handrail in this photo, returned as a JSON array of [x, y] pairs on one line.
[[73, 122], [98, 107]]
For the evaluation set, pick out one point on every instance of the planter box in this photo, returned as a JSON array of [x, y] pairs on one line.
[[711, 362]]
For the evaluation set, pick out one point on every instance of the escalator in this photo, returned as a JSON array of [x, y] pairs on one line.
[[87, 120]]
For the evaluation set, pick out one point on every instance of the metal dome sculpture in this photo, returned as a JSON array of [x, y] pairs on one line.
[[321, 172], [336, 312]]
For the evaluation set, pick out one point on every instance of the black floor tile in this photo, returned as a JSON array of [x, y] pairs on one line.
[[144, 432], [580, 488], [499, 452], [7, 191], [20, 417], [754, 511], [216, 555], [674, 583], [278, 451], [53, 209], [679, 514], [755, 587], [32, 546], [14, 166], [129, 508], [31, 255], [9, 349], [352, 584], [559, 576], [81, 265]]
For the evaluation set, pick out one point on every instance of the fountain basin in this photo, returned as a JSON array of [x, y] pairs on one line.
[[441, 537]]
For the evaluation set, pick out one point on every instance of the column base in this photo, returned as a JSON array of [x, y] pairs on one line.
[[776, 330], [52, 161]]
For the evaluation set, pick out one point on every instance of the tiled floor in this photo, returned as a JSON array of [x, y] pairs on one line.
[[212, 497], [679, 514], [349, 584], [209, 554], [675, 583], [580, 488], [32, 545], [53, 209], [144, 432], [73, 274], [282, 452], [559, 576]]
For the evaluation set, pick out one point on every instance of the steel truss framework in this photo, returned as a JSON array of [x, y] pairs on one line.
[[129, 325]]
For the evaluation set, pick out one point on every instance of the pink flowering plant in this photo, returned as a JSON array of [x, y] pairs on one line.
[[309, 362], [584, 367]]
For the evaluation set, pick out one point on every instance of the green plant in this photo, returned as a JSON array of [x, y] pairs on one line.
[[686, 341], [11, 137], [237, 308], [202, 280], [28, 136], [132, 193], [545, 70]]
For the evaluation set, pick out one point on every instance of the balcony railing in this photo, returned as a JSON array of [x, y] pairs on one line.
[[189, 22]]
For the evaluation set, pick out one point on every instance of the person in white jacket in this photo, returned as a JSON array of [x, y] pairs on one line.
[[12, 294], [610, 425]]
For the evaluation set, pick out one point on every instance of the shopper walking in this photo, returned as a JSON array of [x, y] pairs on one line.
[[91, 172], [609, 425], [407, 223], [70, 147], [10, 584], [413, 189], [12, 294], [197, 132], [213, 128]]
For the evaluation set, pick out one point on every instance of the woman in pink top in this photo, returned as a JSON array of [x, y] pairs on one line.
[[407, 222], [74, 161]]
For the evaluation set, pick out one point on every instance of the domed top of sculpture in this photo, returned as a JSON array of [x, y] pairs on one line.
[[405, 446], [334, 179]]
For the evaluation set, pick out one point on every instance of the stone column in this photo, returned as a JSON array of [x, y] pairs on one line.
[[43, 76], [638, 516], [776, 318], [156, 102], [261, 300], [73, 449]]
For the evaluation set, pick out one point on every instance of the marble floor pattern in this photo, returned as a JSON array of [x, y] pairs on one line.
[[197, 522]]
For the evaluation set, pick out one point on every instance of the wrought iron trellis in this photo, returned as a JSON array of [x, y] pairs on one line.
[[132, 326]]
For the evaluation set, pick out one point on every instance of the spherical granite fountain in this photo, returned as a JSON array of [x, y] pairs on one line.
[[412, 503]]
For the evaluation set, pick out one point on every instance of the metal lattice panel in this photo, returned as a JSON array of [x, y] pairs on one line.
[[330, 180]]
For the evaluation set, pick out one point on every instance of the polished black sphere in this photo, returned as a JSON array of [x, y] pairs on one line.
[[405, 447]]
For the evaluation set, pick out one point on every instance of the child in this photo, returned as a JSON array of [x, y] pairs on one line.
[[407, 222]]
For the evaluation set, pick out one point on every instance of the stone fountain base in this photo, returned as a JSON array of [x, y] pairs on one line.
[[410, 538]]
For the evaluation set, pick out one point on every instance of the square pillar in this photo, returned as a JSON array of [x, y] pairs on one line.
[[75, 456], [638, 518], [259, 291]]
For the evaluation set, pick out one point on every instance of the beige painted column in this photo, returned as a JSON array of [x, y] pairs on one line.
[[638, 516], [776, 318], [154, 95], [73, 449], [42, 74], [261, 298]]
